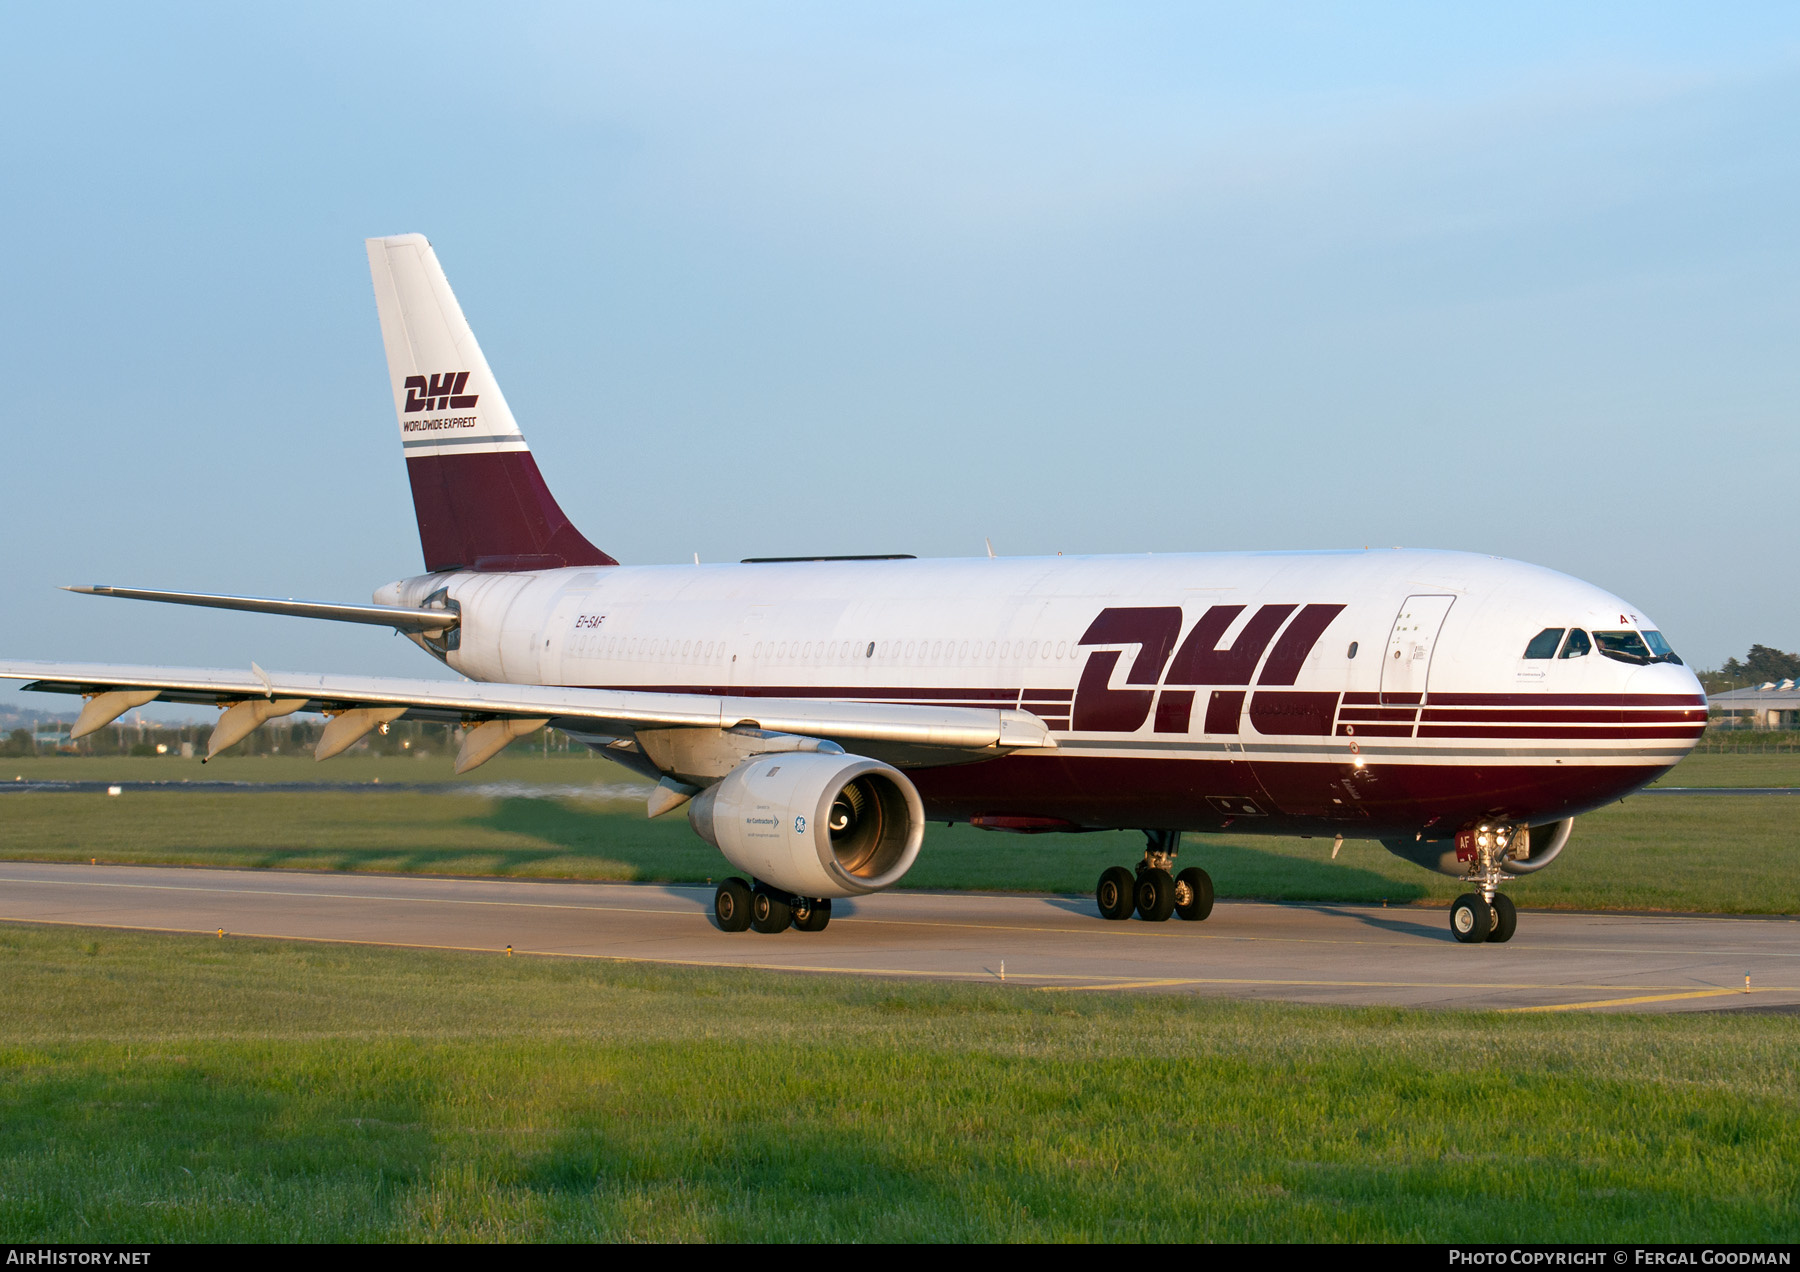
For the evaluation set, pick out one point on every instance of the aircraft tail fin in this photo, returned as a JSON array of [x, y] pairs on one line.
[[480, 500]]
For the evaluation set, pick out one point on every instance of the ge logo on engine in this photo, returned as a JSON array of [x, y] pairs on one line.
[[799, 825]]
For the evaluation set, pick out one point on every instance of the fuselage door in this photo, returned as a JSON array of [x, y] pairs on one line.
[[746, 657], [1407, 664], [560, 646]]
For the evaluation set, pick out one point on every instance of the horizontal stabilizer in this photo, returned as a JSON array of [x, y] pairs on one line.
[[406, 620]]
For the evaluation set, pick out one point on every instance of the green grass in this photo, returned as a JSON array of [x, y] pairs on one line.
[[1703, 853], [523, 765], [1728, 768], [186, 1089], [516, 765], [1668, 852]]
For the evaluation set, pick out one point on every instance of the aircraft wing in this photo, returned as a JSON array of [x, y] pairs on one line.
[[259, 695]]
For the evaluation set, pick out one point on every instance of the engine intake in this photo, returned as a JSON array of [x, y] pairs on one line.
[[815, 824]]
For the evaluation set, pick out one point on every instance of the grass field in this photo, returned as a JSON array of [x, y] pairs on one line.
[[1714, 769], [171, 1088], [1669, 852]]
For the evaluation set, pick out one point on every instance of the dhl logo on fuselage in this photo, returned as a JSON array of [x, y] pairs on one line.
[[1199, 661]]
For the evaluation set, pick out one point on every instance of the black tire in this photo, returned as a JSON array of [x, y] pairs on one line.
[[1196, 885], [811, 915], [731, 905], [1113, 894], [1154, 894], [1471, 919], [770, 911], [1506, 919]]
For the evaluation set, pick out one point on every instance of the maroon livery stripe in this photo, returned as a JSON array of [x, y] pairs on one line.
[[492, 512]]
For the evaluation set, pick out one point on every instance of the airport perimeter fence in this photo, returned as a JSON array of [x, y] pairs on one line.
[[1717, 741]]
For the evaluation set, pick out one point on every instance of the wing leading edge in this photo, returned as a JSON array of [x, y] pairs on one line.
[[916, 735]]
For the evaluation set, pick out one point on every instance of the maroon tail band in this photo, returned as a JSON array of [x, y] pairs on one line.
[[493, 512]]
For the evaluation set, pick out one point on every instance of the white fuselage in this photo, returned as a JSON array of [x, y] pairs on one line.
[[1405, 700]]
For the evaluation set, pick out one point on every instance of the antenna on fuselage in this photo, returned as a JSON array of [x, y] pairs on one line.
[[990, 548]]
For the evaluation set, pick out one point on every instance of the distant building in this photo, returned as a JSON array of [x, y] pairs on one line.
[[1774, 704]]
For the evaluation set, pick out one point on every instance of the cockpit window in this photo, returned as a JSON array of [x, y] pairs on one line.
[[1634, 647], [1660, 647], [1577, 645], [1623, 646], [1544, 644]]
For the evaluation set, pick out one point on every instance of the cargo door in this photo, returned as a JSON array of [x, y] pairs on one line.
[[1406, 667]]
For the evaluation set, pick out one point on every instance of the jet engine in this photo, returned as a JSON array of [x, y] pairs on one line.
[[1529, 851], [813, 823]]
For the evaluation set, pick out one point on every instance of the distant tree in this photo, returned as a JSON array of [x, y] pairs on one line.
[[1761, 664], [19, 742]]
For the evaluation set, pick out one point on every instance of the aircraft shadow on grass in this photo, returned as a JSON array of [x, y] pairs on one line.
[[610, 845], [640, 849], [1242, 872]]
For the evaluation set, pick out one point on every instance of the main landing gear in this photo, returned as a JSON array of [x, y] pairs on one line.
[[1486, 915], [738, 905], [1155, 891]]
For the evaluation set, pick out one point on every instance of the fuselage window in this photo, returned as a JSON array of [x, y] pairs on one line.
[[871, 652], [1352, 652], [1544, 644], [1577, 645], [1062, 647]]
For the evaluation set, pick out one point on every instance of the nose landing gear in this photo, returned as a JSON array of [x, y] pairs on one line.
[[1485, 915], [1155, 892]]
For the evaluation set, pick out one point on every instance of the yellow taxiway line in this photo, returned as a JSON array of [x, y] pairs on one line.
[[1644, 998], [979, 975]]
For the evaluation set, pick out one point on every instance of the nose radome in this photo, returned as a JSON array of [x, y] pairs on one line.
[[1662, 678]]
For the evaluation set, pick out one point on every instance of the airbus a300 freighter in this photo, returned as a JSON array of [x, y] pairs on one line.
[[813, 715]]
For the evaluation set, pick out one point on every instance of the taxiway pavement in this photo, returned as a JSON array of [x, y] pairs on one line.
[[1334, 954]]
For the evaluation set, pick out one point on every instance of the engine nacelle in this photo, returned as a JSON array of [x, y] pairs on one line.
[[1530, 851], [815, 824]]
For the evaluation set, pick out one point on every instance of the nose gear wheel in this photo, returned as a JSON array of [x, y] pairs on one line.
[[1486, 915]]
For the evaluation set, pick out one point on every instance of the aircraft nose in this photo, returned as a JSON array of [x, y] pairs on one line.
[[1662, 678]]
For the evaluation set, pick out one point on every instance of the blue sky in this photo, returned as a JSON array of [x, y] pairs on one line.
[[791, 278]]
